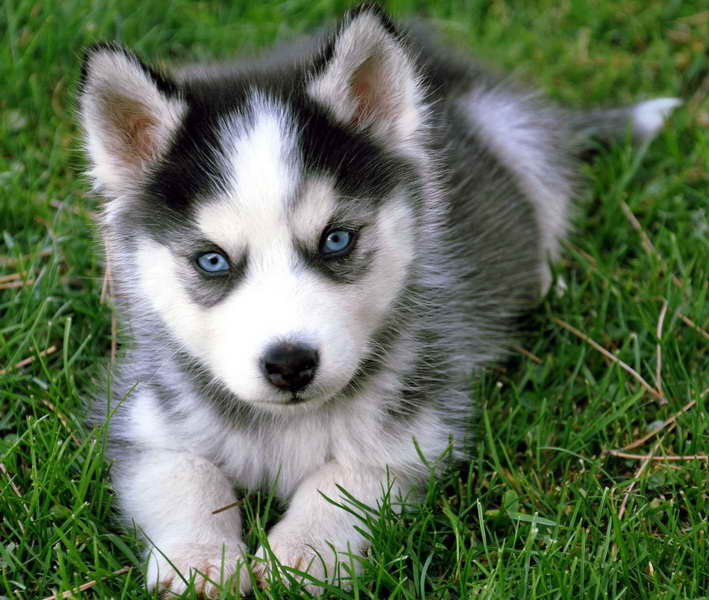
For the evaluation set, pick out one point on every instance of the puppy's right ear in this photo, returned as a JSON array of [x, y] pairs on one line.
[[129, 114]]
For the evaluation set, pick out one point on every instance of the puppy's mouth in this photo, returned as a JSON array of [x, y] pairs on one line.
[[296, 399], [290, 399]]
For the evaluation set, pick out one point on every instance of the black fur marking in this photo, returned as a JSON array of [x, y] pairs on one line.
[[419, 389], [167, 401], [358, 165], [190, 169], [346, 269], [208, 290]]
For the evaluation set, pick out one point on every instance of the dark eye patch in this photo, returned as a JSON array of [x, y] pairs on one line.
[[204, 287], [341, 267]]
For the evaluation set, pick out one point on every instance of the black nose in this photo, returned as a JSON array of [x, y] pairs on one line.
[[290, 366]]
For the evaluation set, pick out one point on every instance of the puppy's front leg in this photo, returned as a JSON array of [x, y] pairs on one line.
[[171, 497], [315, 535]]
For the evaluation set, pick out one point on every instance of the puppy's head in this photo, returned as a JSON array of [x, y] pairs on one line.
[[267, 218]]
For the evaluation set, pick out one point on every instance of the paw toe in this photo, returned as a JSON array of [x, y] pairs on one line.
[[206, 570]]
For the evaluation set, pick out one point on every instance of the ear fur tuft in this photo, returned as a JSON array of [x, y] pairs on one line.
[[129, 114], [366, 78]]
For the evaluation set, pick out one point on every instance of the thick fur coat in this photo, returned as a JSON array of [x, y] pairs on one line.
[[312, 253]]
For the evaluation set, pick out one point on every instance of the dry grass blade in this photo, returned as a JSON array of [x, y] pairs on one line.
[[699, 18], [15, 489], [79, 211], [621, 454], [528, 354], [18, 283], [106, 285], [698, 97], [227, 507], [10, 261], [107, 292], [647, 244], [658, 353], [694, 326], [609, 356], [12, 277], [668, 423], [26, 361], [648, 458], [88, 585], [592, 261], [114, 336], [641, 469]]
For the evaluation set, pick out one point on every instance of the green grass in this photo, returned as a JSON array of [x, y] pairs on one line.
[[536, 512]]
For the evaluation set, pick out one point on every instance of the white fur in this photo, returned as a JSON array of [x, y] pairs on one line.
[[314, 214], [172, 492], [259, 213], [277, 302], [157, 270], [649, 116], [263, 170], [233, 335], [172, 496]]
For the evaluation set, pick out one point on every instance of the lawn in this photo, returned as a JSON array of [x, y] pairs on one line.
[[588, 479]]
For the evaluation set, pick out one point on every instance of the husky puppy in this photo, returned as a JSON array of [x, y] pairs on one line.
[[312, 252]]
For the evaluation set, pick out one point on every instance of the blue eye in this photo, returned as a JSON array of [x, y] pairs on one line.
[[337, 241], [213, 262]]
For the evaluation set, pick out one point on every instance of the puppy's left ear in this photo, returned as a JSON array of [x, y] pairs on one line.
[[366, 78]]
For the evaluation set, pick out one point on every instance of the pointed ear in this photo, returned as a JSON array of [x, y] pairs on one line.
[[129, 114], [366, 78]]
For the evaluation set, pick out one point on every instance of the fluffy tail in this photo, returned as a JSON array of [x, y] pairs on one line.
[[642, 120]]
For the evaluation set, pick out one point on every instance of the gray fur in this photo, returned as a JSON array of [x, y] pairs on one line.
[[491, 206]]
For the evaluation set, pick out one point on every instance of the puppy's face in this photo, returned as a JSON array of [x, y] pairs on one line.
[[279, 281], [271, 233]]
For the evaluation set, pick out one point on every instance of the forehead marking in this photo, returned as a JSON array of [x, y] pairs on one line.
[[263, 172], [314, 208]]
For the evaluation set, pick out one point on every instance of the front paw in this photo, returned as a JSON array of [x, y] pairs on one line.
[[311, 563], [209, 568]]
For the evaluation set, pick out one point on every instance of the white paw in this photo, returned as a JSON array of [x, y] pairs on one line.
[[318, 559], [207, 567]]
